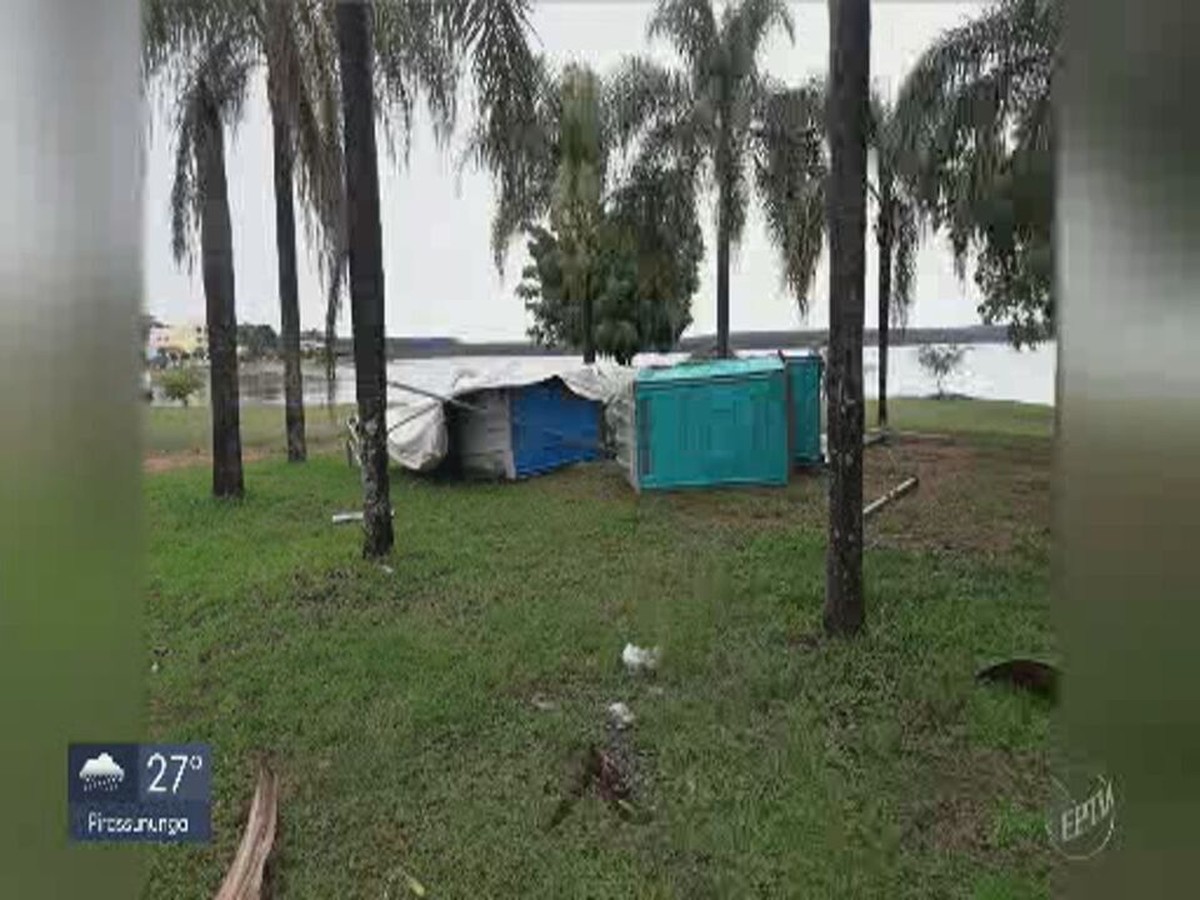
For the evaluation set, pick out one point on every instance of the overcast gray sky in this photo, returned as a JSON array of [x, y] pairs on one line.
[[439, 274]]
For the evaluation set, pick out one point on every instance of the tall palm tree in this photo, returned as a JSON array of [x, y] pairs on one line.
[[420, 51], [299, 50], [896, 235], [411, 48], [848, 124], [365, 245], [976, 123], [295, 42], [720, 115], [212, 91]]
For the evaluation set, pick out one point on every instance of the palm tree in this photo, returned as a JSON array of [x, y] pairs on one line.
[[365, 245], [722, 113], [976, 125], [848, 124], [295, 40], [419, 51], [302, 93], [401, 51], [210, 96], [896, 234]]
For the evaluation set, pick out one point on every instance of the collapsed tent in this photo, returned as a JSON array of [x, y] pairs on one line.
[[500, 421]]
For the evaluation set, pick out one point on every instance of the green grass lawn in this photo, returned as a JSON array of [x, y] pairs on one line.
[[187, 430], [766, 761], [967, 416]]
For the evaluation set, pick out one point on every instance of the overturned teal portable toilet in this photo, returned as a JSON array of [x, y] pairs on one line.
[[804, 379], [708, 424]]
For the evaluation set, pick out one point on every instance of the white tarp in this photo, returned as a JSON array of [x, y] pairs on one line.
[[417, 433]]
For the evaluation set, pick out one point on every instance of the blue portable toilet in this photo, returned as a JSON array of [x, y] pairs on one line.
[[716, 423], [804, 379], [522, 430]]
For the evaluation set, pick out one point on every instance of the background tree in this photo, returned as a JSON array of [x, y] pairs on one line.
[[210, 78], [642, 278], [719, 116], [977, 123], [180, 384], [575, 210], [896, 235], [939, 362], [258, 340], [625, 248], [848, 124]]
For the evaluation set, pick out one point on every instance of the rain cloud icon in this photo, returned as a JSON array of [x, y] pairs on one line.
[[101, 773]]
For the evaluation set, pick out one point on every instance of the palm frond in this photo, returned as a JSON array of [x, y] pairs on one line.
[[975, 138], [748, 24], [493, 35], [644, 97], [790, 174], [214, 90], [907, 236], [689, 25], [968, 90], [414, 58], [523, 196]]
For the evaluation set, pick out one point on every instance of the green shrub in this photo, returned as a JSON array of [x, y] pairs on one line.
[[180, 384]]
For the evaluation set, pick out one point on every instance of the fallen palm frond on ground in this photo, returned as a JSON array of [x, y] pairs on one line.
[[244, 879]]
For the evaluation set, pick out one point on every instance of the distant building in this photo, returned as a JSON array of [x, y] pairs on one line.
[[177, 341]]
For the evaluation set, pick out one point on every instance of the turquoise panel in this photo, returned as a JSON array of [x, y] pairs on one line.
[[715, 423], [804, 384], [717, 368]]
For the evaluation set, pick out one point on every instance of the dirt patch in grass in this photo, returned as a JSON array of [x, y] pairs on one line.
[[186, 459], [166, 462], [972, 497], [980, 496], [984, 805]]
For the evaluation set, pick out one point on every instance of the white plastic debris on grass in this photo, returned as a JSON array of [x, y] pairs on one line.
[[640, 659], [620, 715]]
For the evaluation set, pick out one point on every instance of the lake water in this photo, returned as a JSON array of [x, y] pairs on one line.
[[988, 371]]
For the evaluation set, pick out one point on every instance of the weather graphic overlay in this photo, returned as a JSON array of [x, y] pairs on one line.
[[139, 793], [101, 773]]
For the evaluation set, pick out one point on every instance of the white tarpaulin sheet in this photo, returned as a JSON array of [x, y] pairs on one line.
[[417, 432]]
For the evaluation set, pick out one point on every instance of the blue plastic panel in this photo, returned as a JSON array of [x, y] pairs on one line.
[[552, 428]]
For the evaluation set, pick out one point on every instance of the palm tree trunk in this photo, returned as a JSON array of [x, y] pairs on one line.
[[589, 337], [849, 80], [722, 277], [885, 296], [289, 295], [216, 250], [366, 270]]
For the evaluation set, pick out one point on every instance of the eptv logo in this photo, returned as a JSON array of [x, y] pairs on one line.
[[1082, 815]]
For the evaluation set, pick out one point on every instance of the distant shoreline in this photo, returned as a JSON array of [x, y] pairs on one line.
[[434, 348]]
